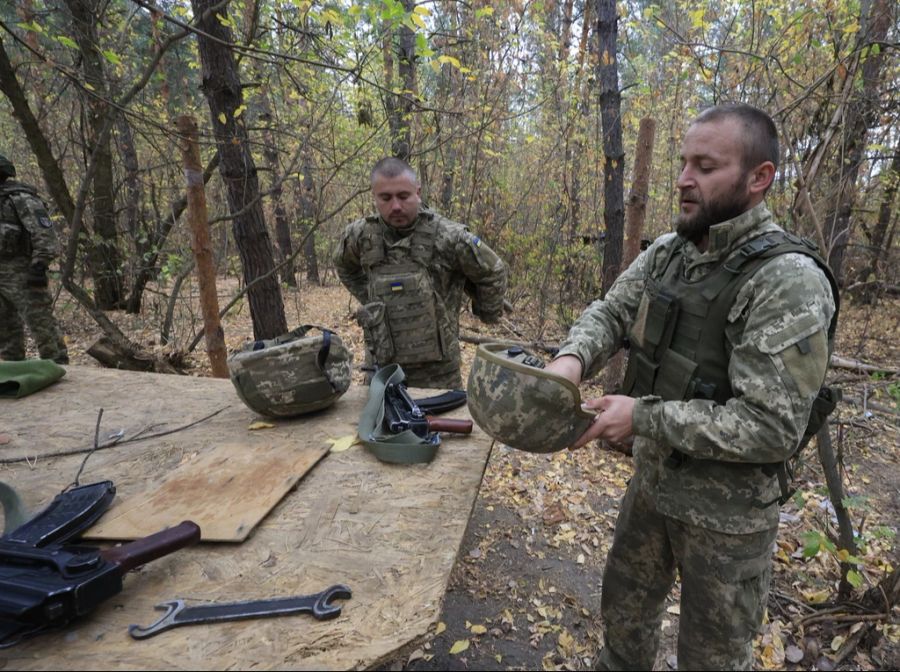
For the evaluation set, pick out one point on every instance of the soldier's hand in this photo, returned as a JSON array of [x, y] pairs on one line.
[[37, 275]]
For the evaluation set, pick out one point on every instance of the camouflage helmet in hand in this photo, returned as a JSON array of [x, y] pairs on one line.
[[7, 168], [295, 373], [515, 401]]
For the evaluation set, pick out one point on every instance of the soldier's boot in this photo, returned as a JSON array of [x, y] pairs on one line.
[[38, 313], [640, 570], [724, 584]]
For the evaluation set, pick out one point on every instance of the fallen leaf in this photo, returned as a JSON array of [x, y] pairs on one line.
[[4, 439], [343, 443], [817, 596], [498, 657], [580, 559], [478, 629], [260, 424], [674, 609], [836, 642], [441, 626], [459, 646], [793, 654]]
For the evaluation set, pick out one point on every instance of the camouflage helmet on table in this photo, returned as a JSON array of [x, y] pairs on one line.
[[7, 168], [292, 374], [515, 401]]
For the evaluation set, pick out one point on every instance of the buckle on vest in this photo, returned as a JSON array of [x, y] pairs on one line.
[[748, 251]]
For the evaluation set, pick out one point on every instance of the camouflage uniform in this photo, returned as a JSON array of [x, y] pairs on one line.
[[418, 276], [26, 238], [710, 514]]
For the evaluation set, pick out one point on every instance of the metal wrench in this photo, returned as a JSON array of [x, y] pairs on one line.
[[319, 605]]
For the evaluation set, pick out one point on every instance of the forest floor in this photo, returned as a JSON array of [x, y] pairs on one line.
[[525, 591]]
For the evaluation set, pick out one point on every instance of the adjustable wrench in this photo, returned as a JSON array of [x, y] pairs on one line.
[[319, 605]]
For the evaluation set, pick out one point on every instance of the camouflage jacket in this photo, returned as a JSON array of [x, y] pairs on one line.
[[721, 486], [25, 227], [461, 263]]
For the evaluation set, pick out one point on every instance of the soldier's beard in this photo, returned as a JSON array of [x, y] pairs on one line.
[[695, 227]]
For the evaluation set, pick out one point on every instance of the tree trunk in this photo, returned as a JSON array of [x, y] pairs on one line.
[[614, 154], [156, 239], [401, 109], [282, 227], [201, 247], [882, 239], [222, 88], [861, 114], [308, 209], [40, 146], [103, 249]]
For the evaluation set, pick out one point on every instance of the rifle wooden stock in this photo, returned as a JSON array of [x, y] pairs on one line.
[[448, 425], [155, 546]]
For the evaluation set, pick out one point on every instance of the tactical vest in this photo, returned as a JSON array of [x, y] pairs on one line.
[[14, 238], [682, 352], [403, 317]]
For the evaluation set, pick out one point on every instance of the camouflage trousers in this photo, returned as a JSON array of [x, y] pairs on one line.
[[22, 305], [724, 585]]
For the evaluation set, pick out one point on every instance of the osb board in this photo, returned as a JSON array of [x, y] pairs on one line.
[[391, 532], [227, 490]]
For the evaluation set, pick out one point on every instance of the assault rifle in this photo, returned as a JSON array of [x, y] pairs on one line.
[[49, 586], [402, 413]]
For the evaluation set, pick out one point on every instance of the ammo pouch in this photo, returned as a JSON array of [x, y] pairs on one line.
[[11, 239], [410, 315], [372, 318]]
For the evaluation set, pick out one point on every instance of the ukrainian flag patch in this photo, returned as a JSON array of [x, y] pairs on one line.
[[477, 241], [396, 286]]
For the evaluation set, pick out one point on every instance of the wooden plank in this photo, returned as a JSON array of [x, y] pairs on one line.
[[391, 532], [226, 490]]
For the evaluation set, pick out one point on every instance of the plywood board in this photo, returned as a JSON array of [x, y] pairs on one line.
[[226, 490], [391, 532]]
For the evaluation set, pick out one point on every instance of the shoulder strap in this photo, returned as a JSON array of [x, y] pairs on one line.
[[402, 448]]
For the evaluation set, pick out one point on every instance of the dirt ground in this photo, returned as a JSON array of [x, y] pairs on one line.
[[525, 592]]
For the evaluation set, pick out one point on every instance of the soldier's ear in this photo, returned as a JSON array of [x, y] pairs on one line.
[[760, 178]]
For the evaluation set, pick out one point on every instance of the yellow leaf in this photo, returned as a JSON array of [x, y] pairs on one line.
[[836, 642], [222, 117], [478, 629], [88, 86], [259, 424], [239, 111], [419, 21], [343, 443], [459, 646], [498, 657], [424, 11], [449, 59], [441, 626], [816, 596]]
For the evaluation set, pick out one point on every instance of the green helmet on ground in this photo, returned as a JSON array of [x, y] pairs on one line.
[[7, 168], [515, 401], [296, 373]]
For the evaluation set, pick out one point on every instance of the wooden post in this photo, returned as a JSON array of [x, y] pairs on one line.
[[635, 210], [201, 247], [636, 205]]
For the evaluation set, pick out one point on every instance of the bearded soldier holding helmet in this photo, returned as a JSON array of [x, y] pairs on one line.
[[28, 244], [728, 321], [410, 268]]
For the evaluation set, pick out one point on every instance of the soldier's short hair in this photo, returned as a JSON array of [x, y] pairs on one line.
[[391, 166], [760, 138]]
